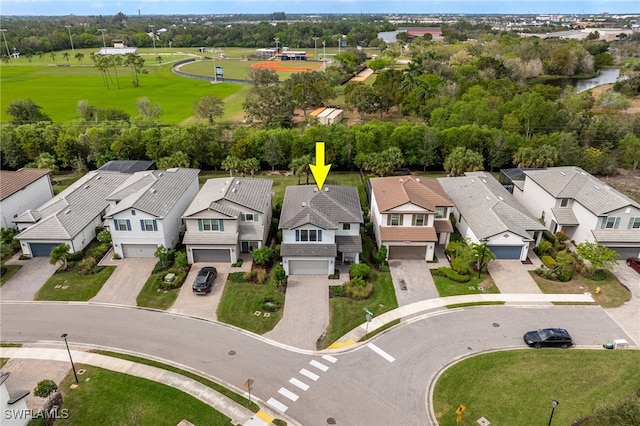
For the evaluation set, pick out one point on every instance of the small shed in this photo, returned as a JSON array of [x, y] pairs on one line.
[[335, 116], [316, 112], [322, 117]]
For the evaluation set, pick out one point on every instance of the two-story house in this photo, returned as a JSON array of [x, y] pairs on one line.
[[228, 216], [570, 200], [22, 190], [410, 216], [146, 210], [486, 212], [320, 228]]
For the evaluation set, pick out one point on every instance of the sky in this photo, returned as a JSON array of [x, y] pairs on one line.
[[183, 7]]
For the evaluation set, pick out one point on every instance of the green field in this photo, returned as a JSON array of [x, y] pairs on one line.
[[57, 84]]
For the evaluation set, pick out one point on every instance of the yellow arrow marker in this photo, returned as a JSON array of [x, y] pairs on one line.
[[320, 170]]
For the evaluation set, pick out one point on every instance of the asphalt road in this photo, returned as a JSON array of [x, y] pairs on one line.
[[381, 385]]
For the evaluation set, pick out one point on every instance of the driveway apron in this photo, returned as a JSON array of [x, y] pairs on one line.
[[126, 281], [27, 281], [413, 281], [627, 315], [511, 276], [306, 311]]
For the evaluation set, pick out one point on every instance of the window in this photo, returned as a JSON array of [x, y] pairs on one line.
[[634, 223], [394, 220], [346, 226], [307, 235], [419, 220], [133, 212], [122, 224], [543, 215], [439, 212], [564, 202], [610, 222], [148, 225], [249, 217], [210, 225]]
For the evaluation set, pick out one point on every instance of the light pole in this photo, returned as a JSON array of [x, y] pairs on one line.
[[215, 71], [102, 30], [64, 336], [315, 47], [277, 40], [68, 27], [153, 37], [5, 42], [554, 404], [324, 53]]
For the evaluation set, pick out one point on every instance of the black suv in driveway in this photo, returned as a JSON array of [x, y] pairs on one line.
[[548, 337], [204, 280]]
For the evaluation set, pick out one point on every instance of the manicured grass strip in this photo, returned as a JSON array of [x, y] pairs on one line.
[[241, 300], [11, 271], [447, 287], [239, 399], [612, 294], [73, 286], [3, 361], [150, 297], [517, 387], [109, 397], [346, 314]]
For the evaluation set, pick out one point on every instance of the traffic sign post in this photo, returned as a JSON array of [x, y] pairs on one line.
[[247, 386], [368, 316]]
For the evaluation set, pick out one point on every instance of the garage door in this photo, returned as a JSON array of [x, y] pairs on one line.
[[42, 249], [139, 250], [625, 252], [407, 252], [308, 267], [506, 252], [211, 255]]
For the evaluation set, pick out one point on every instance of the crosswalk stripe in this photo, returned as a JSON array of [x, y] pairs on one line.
[[309, 374], [380, 352], [286, 392], [330, 358], [299, 384], [318, 365], [277, 405]]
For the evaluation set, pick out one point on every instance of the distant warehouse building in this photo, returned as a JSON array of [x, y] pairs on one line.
[[327, 115]]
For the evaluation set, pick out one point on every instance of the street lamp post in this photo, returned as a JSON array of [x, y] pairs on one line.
[[277, 40], [315, 47], [554, 404], [324, 53], [215, 71], [4, 37], [153, 37], [64, 336], [102, 30], [68, 27]]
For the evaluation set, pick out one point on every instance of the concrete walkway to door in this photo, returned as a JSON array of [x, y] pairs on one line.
[[306, 311], [126, 281]]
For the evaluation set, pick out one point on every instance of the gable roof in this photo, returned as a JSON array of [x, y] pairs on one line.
[[154, 192], [391, 192], [325, 209], [12, 182], [249, 193], [573, 182], [68, 213], [488, 207]]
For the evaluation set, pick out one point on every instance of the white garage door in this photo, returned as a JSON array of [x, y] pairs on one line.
[[139, 250], [625, 252], [211, 255], [308, 267]]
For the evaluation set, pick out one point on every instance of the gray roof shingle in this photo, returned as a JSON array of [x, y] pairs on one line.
[[315, 250], [250, 193], [349, 243]]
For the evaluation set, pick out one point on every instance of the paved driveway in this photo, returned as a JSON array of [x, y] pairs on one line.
[[127, 280], [306, 311], [204, 306], [511, 276], [28, 280], [628, 315], [413, 281]]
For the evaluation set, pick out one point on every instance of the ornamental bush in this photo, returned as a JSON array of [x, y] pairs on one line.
[[359, 270], [460, 265], [453, 275], [548, 261], [358, 289]]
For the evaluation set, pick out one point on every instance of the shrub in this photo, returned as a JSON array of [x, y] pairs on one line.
[[358, 289], [548, 261], [258, 276], [236, 277], [359, 270], [544, 247], [380, 256], [337, 290], [564, 274], [453, 275], [262, 256], [86, 265], [335, 275], [74, 257], [547, 235], [261, 276], [249, 275], [104, 237], [98, 250], [456, 248], [383, 268], [180, 260], [460, 265], [237, 264], [269, 304], [561, 237]]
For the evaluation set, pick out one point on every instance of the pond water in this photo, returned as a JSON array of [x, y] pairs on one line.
[[605, 76]]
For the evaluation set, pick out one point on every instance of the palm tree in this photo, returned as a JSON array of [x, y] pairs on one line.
[[79, 56], [159, 59], [53, 57], [60, 254], [231, 163], [300, 165], [65, 55]]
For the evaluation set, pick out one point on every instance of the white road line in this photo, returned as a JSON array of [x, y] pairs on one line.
[[299, 384], [318, 365], [286, 392], [309, 374], [380, 352], [277, 405], [330, 358]]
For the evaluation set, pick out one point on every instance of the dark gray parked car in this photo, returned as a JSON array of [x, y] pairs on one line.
[[204, 280], [548, 337]]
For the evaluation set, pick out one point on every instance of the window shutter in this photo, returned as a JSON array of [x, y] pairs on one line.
[[319, 234], [604, 222], [631, 220], [155, 225], [142, 224], [221, 225], [243, 217], [297, 235], [128, 225], [388, 220], [115, 225], [199, 224], [401, 218], [255, 217], [617, 223]]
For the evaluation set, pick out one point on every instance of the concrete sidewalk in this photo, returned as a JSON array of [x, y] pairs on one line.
[[404, 312], [237, 413]]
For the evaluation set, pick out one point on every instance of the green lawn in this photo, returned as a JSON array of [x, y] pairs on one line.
[[611, 294], [447, 287], [11, 270], [517, 387], [150, 297], [110, 398], [346, 314], [73, 286], [241, 300]]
